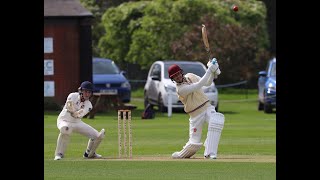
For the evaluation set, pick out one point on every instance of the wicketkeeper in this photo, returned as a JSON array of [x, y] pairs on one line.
[[197, 105], [69, 121]]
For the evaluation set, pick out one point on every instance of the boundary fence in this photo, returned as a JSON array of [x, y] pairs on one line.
[[136, 84]]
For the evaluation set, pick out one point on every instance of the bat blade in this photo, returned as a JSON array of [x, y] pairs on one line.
[[205, 38], [206, 41]]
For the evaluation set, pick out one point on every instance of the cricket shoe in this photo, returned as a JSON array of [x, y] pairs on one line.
[[210, 156], [175, 155], [95, 155], [58, 157]]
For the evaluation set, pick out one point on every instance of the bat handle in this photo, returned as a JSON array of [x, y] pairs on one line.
[[209, 55]]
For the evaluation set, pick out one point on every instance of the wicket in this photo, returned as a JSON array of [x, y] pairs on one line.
[[125, 117]]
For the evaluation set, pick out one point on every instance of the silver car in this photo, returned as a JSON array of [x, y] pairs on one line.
[[159, 85]]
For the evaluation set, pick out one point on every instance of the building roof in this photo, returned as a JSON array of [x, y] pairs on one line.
[[64, 8]]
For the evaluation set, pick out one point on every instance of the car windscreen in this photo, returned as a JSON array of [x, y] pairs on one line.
[[187, 68], [105, 67], [273, 71]]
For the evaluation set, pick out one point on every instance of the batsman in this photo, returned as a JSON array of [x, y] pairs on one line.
[[197, 105]]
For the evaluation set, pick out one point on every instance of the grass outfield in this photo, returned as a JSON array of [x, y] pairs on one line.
[[247, 148]]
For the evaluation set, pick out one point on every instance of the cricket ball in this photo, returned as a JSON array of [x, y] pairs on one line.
[[235, 8]]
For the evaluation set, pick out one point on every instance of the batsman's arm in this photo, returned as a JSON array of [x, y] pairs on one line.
[[184, 90], [210, 79]]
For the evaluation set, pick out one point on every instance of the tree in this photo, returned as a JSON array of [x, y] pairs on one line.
[[235, 47], [145, 31], [271, 22], [98, 8]]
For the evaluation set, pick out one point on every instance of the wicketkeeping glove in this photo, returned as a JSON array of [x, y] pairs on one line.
[[70, 107]]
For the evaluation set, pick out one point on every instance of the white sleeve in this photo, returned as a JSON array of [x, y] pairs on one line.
[[184, 90], [210, 79]]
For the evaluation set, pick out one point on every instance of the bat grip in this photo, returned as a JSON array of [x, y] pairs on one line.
[[209, 55]]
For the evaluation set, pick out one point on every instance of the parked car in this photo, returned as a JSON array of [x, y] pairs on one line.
[[267, 87], [108, 78], [159, 84]]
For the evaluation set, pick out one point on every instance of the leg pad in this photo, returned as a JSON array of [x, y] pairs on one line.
[[93, 144]]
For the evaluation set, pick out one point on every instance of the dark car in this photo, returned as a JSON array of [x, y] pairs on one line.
[[109, 79], [267, 87]]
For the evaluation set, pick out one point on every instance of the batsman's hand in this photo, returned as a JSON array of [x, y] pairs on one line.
[[214, 66], [211, 62]]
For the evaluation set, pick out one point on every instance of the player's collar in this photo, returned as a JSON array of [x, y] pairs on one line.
[[184, 81]]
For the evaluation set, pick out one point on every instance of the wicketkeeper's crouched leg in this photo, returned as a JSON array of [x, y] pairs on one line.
[[62, 142], [93, 145]]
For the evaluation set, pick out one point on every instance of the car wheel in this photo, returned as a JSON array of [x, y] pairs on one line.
[[260, 106], [267, 108], [145, 100], [161, 107]]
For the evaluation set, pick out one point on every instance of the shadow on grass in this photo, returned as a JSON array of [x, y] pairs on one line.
[[228, 112]]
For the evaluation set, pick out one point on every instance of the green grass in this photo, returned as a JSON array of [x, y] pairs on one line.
[[138, 93], [247, 133]]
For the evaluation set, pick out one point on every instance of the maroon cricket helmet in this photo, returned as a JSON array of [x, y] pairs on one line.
[[173, 70]]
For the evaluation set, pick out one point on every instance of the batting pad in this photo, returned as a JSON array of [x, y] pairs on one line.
[[214, 132], [188, 150], [93, 144]]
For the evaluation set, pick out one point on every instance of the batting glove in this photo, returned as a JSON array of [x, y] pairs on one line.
[[217, 71], [214, 66], [211, 62]]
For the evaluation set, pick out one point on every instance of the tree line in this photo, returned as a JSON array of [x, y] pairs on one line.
[[141, 32]]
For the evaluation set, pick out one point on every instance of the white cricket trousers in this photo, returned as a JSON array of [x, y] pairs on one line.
[[79, 127], [196, 124]]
